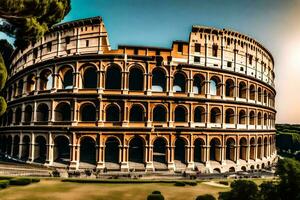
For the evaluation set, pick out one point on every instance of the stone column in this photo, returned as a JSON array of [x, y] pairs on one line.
[[74, 152], [32, 149], [171, 150]]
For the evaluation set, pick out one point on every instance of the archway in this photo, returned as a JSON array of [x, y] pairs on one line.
[[16, 146], [179, 153], [25, 147], [61, 149], [252, 149], [229, 116], [9, 145], [265, 147], [63, 112], [67, 80], [113, 78], [90, 78], [199, 84], [215, 115], [159, 114], [243, 149], [136, 79], [242, 117], [252, 92], [215, 150], [230, 149], [28, 114], [215, 86], [136, 113], [112, 113], [40, 149], [199, 114], [199, 151], [159, 153], [136, 150], [88, 112], [87, 150], [46, 80], [42, 113], [259, 148], [158, 80], [179, 84], [18, 116], [229, 90], [112, 152], [242, 90], [180, 114]]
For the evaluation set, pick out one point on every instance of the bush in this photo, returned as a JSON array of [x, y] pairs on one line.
[[156, 192], [6, 177], [192, 183], [55, 173], [20, 181], [179, 183], [35, 180], [4, 184], [156, 195], [224, 182], [206, 197]]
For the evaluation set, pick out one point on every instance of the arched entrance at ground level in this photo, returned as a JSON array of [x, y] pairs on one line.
[[243, 149], [25, 147], [252, 149], [2, 144], [8, 145], [40, 149], [265, 147], [230, 149], [243, 168], [16, 146], [136, 150], [61, 152], [88, 150], [112, 150], [160, 150], [215, 150], [179, 154], [231, 169], [199, 150], [259, 148]]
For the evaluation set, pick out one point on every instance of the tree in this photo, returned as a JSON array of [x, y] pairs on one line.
[[6, 50], [206, 197], [241, 189], [269, 191], [3, 76]]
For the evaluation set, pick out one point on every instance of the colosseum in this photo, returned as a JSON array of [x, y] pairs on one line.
[[206, 104]]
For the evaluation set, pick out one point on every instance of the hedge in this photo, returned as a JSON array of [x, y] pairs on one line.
[[4, 184], [20, 181], [206, 197], [192, 183]]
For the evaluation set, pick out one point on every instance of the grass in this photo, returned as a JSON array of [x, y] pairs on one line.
[[57, 190]]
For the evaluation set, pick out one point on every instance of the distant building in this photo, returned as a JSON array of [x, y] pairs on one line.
[[204, 104]]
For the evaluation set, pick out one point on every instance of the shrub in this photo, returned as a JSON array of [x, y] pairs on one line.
[[224, 182], [6, 177], [4, 183], [35, 180], [156, 192], [179, 183], [55, 173], [206, 197], [192, 183], [20, 181], [156, 195]]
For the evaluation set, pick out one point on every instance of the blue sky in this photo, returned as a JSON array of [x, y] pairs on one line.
[[274, 23]]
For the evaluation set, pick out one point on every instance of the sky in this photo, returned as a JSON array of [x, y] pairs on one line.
[[273, 23]]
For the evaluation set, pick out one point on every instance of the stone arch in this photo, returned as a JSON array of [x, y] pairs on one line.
[[252, 148], [199, 150], [42, 112], [136, 79], [136, 149], [88, 112], [137, 113], [243, 148], [66, 77], [259, 118], [199, 114], [159, 113], [31, 81], [243, 168], [18, 115], [16, 146], [40, 149], [231, 169], [265, 96], [242, 117], [252, 117], [160, 152], [89, 77], [259, 148], [46, 79], [216, 171], [215, 115], [252, 92], [265, 147], [112, 113], [112, 150], [179, 82], [215, 86], [25, 147], [180, 150], [180, 114], [242, 90], [265, 119], [229, 88], [259, 92], [63, 112], [9, 145], [215, 149], [28, 114], [199, 84], [230, 149], [61, 150], [159, 80], [20, 87], [87, 150], [113, 77], [229, 116], [9, 117]]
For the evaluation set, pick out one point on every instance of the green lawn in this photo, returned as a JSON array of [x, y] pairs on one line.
[[55, 189]]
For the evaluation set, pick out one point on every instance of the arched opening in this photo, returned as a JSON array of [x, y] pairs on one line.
[[243, 149], [265, 119], [259, 122], [113, 78], [112, 150], [61, 149], [199, 151], [46, 80], [242, 90], [243, 168], [28, 114], [25, 147], [259, 94], [136, 79], [265, 147], [230, 149], [159, 114], [216, 171], [252, 149], [136, 113], [265, 96], [63, 112], [199, 114], [90, 78], [215, 86], [215, 150], [31, 81], [16, 146], [179, 84], [229, 91], [88, 112], [242, 117], [215, 115], [231, 169], [179, 153], [42, 113], [67, 80], [20, 87], [180, 114], [159, 152], [40, 149], [136, 150], [112, 113], [252, 118], [229, 116], [158, 80], [9, 117], [199, 84], [252, 92], [87, 150], [9, 145], [18, 116], [259, 148]]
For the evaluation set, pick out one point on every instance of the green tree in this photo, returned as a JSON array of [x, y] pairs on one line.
[[269, 191], [6, 50], [241, 190], [3, 76]]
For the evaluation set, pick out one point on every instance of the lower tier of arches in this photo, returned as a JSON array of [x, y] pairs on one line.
[[154, 151]]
